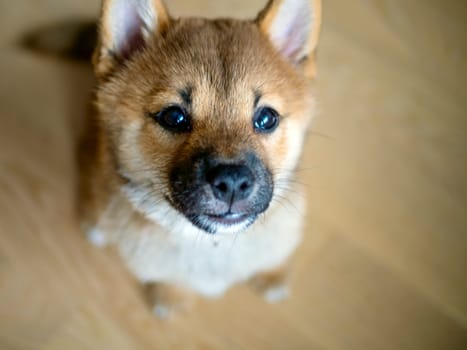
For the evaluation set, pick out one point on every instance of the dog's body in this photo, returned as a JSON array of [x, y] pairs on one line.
[[198, 127]]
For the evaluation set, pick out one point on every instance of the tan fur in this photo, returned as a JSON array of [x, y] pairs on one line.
[[125, 158]]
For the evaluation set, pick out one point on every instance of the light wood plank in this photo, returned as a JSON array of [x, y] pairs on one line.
[[384, 260]]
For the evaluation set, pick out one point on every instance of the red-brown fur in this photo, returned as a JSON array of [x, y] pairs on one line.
[[222, 61]]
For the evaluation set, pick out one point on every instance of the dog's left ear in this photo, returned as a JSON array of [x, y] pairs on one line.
[[293, 27]]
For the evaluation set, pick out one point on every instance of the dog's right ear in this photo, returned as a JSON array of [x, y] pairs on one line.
[[125, 27]]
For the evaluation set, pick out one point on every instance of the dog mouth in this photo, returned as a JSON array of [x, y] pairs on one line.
[[227, 223], [228, 219], [216, 223]]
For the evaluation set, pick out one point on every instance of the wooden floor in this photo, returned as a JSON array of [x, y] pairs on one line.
[[384, 262]]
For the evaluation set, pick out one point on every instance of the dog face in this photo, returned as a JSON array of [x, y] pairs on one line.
[[204, 118]]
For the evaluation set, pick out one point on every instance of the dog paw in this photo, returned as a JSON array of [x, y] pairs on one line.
[[272, 285], [97, 237], [276, 294], [162, 312], [167, 301]]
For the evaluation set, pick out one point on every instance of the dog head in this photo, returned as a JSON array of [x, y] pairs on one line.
[[205, 118]]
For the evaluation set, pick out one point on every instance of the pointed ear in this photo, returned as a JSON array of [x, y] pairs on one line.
[[125, 27], [293, 27]]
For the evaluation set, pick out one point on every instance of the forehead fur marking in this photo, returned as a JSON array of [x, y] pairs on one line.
[[186, 95]]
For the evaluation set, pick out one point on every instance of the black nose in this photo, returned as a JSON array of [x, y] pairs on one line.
[[230, 183]]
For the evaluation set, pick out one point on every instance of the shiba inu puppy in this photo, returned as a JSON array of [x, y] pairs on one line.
[[197, 128]]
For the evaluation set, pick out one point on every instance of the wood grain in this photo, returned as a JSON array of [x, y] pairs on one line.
[[384, 262]]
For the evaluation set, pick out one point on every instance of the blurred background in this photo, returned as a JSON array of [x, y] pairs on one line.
[[384, 261]]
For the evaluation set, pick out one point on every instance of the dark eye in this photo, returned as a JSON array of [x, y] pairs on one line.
[[265, 120], [174, 119]]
